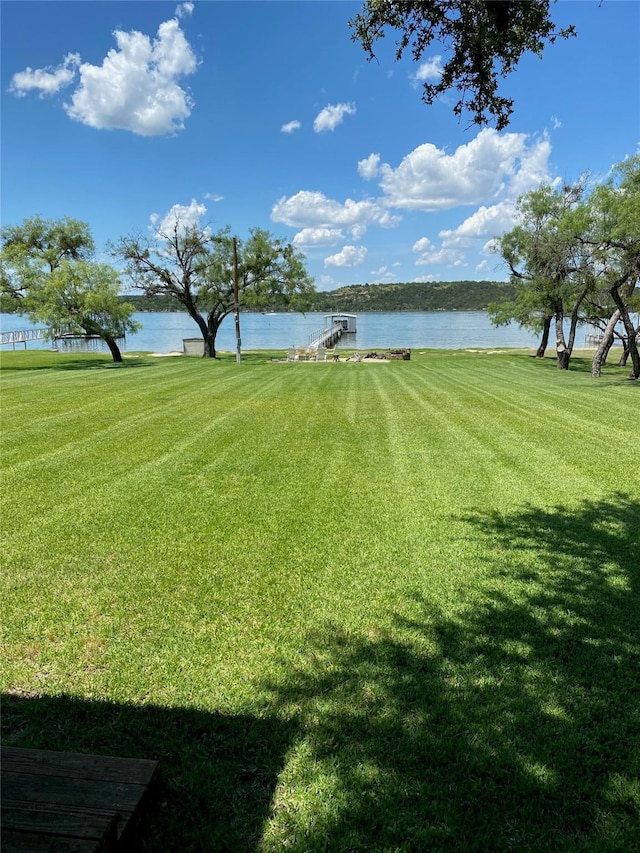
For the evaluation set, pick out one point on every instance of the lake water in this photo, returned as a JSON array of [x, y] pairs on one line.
[[163, 332]]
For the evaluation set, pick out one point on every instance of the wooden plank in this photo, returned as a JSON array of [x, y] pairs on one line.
[[88, 793], [107, 768], [70, 798], [65, 821], [31, 842]]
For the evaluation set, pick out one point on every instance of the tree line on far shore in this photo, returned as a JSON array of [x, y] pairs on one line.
[[404, 296]]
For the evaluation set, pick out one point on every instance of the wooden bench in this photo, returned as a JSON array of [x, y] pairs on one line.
[[70, 802]]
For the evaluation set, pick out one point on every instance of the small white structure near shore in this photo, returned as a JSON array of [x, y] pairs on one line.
[[193, 346]]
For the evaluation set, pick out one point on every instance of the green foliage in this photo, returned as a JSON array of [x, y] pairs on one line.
[[415, 296], [36, 248], [81, 297], [158, 304], [570, 255], [339, 602], [576, 253], [44, 243], [484, 40], [48, 274], [442, 296], [200, 271]]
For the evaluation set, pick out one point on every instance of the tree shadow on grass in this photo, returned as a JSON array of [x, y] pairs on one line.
[[513, 724], [217, 772], [74, 362], [510, 724]]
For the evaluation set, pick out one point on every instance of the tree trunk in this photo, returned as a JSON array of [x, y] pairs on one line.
[[566, 355], [624, 357], [562, 353], [574, 320], [563, 357], [214, 321], [90, 327], [197, 317], [630, 330], [607, 350], [209, 345], [544, 341], [113, 347], [605, 345]]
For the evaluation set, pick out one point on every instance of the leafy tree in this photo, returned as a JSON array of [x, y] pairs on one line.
[[578, 255], [47, 271], [615, 241], [38, 247], [82, 297], [484, 40], [549, 265], [601, 313], [196, 267]]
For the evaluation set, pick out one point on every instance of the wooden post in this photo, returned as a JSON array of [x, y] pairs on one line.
[[236, 301]]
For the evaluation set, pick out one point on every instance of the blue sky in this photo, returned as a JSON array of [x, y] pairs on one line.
[[126, 114]]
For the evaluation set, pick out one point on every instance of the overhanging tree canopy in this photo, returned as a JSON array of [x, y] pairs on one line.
[[484, 40]]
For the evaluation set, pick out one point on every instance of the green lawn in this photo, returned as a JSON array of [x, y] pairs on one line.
[[350, 607]]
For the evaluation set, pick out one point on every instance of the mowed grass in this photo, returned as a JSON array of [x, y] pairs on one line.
[[376, 607]]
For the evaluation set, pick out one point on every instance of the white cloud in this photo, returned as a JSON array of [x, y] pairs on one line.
[[490, 247], [183, 10], [483, 267], [422, 244], [318, 237], [358, 231], [48, 81], [533, 169], [485, 222], [331, 116], [383, 275], [426, 279], [447, 257], [290, 126], [309, 209], [429, 70], [326, 282], [213, 196], [369, 167], [490, 166], [489, 173], [136, 86], [350, 256], [555, 122], [180, 215]]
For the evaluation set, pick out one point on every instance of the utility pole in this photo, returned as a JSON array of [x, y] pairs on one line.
[[236, 301]]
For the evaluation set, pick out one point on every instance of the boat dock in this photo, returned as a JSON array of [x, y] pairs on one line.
[[54, 335], [335, 326], [21, 337]]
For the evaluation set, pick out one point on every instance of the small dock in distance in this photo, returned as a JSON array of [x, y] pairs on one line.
[[335, 326], [21, 337]]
